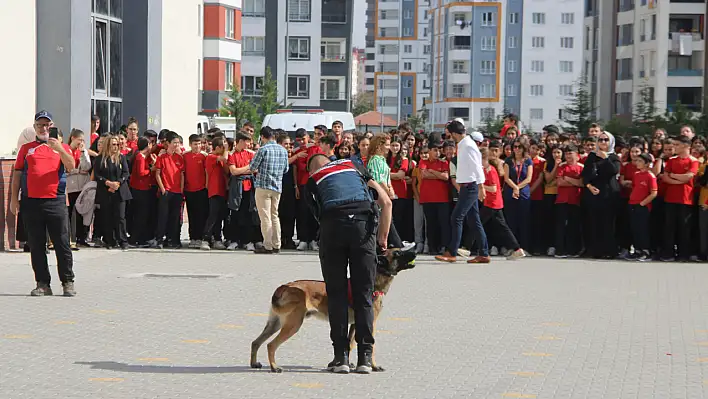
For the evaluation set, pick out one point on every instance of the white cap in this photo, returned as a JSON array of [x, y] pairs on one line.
[[477, 136], [459, 120]]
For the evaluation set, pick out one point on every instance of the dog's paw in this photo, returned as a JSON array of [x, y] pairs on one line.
[[256, 365], [276, 370], [377, 369]]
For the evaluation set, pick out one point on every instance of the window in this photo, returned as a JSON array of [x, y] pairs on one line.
[[107, 59], [389, 102], [459, 113], [489, 43], [486, 113], [460, 43], [330, 89], [459, 17], [536, 90], [408, 83], [488, 19], [642, 30], [623, 103], [566, 66], [408, 48], [536, 113], [513, 65], [383, 49], [407, 100], [298, 48], [230, 23], [563, 114], [538, 18], [587, 38], [488, 67], [538, 42], [567, 18], [369, 81], [460, 67], [254, 8], [254, 45], [426, 49], [513, 42], [252, 85], [565, 90], [624, 69], [537, 66], [389, 14], [407, 32], [369, 68], [642, 61], [425, 32], [487, 90], [298, 86], [408, 14], [513, 18], [511, 90], [200, 19], [566, 42], [229, 76], [625, 35], [388, 84], [458, 91], [332, 51], [299, 10], [407, 66]]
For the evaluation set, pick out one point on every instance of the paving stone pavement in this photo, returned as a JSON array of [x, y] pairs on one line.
[[536, 328]]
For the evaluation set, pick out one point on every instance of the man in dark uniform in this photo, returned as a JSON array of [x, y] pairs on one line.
[[340, 194]]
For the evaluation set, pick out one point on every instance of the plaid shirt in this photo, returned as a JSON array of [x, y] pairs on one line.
[[271, 163]]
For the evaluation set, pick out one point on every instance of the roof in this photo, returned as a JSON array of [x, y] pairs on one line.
[[373, 118]]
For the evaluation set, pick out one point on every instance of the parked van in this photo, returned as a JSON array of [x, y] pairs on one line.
[[291, 120], [202, 124]]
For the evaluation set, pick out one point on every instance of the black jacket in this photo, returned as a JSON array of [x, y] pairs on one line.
[[601, 173], [111, 172]]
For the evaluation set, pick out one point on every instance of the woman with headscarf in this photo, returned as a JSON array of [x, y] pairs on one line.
[[601, 196]]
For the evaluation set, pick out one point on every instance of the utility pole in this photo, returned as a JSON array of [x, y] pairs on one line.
[[287, 50], [398, 52]]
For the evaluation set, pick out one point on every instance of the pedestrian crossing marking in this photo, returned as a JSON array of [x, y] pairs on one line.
[[313, 385], [195, 341], [527, 374], [17, 336], [538, 354]]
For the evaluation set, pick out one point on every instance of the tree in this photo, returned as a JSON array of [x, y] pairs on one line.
[[492, 123], [578, 114], [363, 102], [269, 95], [418, 121], [240, 108], [645, 118]]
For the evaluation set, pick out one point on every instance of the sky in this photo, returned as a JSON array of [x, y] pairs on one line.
[[359, 30]]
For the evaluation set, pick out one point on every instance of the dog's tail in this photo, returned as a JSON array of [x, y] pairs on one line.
[[285, 298]]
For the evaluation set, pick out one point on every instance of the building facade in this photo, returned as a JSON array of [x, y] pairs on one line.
[[657, 46], [398, 53], [358, 80], [306, 44]]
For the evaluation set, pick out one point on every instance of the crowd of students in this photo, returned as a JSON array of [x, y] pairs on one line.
[[553, 194]]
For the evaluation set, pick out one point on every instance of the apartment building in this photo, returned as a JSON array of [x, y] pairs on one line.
[[220, 62], [307, 46], [645, 44], [398, 56], [358, 80]]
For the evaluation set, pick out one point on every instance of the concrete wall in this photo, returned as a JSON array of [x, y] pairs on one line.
[[17, 74]]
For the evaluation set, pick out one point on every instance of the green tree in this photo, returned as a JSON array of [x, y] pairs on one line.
[[269, 95], [645, 118], [676, 116], [618, 126], [578, 113], [418, 121], [240, 108], [492, 124], [363, 103]]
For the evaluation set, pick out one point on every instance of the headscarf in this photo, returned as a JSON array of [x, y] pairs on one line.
[[28, 135], [611, 148]]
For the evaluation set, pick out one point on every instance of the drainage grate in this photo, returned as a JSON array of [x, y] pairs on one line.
[[181, 276]]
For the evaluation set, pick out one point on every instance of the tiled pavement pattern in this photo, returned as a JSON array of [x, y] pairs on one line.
[[537, 328]]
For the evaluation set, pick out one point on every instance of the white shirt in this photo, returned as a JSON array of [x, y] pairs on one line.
[[469, 162]]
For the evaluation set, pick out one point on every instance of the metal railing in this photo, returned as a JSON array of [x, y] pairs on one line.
[[697, 36], [685, 72], [334, 57], [332, 95], [254, 14], [257, 53]]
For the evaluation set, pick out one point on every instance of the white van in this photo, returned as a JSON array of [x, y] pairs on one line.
[[202, 124], [291, 120]]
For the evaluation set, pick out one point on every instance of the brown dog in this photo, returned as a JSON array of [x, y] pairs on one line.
[[293, 302]]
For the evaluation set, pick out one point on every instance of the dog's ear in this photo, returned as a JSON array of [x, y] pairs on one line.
[[382, 260]]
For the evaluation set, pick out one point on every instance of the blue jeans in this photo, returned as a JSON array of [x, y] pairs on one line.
[[467, 205]]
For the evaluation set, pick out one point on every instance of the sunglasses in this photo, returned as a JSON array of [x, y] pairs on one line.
[[516, 147], [603, 140]]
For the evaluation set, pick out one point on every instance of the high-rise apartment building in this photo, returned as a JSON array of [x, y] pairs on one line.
[[630, 46], [307, 46], [398, 56]]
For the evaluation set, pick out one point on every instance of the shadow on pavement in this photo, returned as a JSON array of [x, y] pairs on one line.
[[151, 369]]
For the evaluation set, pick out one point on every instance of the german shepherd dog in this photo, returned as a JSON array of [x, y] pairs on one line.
[[293, 302]]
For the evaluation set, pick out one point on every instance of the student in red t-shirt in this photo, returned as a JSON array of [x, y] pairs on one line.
[[403, 203], [434, 196], [216, 189], [169, 173], [142, 186], [132, 131], [305, 222], [568, 214], [537, 206], [243, 231], [195, 191], [678, 176], [622, 227], [644, 191]]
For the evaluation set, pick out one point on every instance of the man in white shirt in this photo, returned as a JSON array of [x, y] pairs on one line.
[[470, 177]]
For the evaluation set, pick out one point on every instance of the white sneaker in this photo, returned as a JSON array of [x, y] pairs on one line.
[[426, 249], [506, 252], [407, 246], [302, 246], [516, 255], [494, 251], [551, 251], [233, 246], [205, 246], [463, 252], [250, 247], [419, 248], [193, 244], [219, 245], [314, 246]]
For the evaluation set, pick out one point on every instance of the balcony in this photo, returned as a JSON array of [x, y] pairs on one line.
[[252, 92], [689, 97], [254, 53], [333, 57], [685, 72], [332, 95], [334, 18], [254, 14], [696, 36]]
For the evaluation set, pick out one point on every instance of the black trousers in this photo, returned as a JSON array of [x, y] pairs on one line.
[[403, 218], [48, 215], [197, 212], [20, 231], [600, 242], [168, 217], [115, 231], [639, 218], [568, 219], [657, 220], [217, 216], [306, 224], [349, 243], [678, 218], [242, 226], [537, 243], [495, 226], [624, 231], [437, 224], [81, 231], [548, 226], [287, 210], [143, 208]]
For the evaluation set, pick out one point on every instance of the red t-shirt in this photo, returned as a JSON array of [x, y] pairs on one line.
[[493, 200], [569, 194], [43, 174], [194, 171], [125, 151], [627, 171], [239, 160], [680, 193], [583, 158], [171, 169], [216, 185], [434, 190], [539, 164], [643, 183], [133, 145], [141, 177], [400, 187], [94, 136], [77, 157], [301, 163]]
